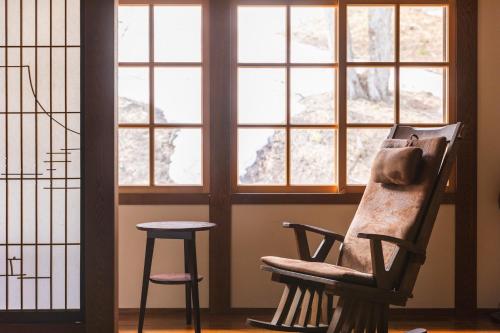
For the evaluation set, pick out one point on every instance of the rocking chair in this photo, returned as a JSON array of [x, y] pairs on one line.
[[381, 253]]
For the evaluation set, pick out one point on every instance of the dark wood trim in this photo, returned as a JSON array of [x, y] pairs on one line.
[[307, 198], [395, 313], [250, 198], [220, 204], [466, 193], [164, 199], [40, 316], [100, 200], [52, 328]]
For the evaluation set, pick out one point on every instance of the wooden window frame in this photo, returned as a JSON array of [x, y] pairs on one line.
[[341, 65], [340, 194], [134, 192], [288, 126]]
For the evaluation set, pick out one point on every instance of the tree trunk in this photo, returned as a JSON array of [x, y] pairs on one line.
[[373, 83]]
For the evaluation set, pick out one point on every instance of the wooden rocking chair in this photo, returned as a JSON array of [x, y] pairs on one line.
[[380, 255]]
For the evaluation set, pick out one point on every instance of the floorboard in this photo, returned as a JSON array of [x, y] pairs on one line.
[[173, 322]]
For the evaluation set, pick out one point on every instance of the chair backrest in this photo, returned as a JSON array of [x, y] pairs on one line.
[[404, 211]]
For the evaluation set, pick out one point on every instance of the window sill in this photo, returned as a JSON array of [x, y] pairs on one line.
[[163, 198], [250, 198]]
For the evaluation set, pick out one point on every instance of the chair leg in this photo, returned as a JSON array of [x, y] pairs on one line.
[[189, 308], [194, 284], [148, 258], [383, 320]]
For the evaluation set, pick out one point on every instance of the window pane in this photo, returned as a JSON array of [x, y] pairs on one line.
[[261, 34], [177, 33], [261, 95], [313, 155], [178, 157], [362, 146], [313, 34], [370, 33], [370, 95], [133, 95], [133, 33], [423, 33], [178, 95], [313, 96], [261, 156], [134, 156], [422, 91]]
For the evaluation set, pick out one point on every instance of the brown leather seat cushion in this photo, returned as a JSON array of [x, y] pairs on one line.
[[320, 269]]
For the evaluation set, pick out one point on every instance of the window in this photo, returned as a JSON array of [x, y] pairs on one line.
[[163, 112], [316, 88], [286, 97]]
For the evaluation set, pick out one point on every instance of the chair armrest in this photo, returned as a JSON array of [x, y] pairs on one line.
[[324, 247], [404, 244], [317, 230], [384, 276]]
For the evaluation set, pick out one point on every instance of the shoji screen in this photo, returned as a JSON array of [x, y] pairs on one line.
[[40, 162]]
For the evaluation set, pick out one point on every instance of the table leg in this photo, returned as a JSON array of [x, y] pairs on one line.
[[189, 308], [194, 284], [148, 258]]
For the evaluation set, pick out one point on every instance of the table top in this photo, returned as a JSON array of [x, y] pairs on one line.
[[175, 226]]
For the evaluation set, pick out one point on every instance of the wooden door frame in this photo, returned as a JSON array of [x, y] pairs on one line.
[[466, 191], [100, 203]]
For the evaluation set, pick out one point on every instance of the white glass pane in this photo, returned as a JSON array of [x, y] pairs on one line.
[[133, 95], [43, 22], [313, 38], [423, 33], [58, 22], [313, 95], [370, 95], [177, 35], [370, 33], [261, 156], [178, 95], [261, 95], [58, 276], [262, 34], [362, 146], [73, 277], [178, 156], [313, 156], [422, 95], [29, 28], [14, 22], [133, 33], [73, 22], [133, 153]]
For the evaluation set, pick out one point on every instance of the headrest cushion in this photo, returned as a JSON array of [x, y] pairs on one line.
[[397, 166]]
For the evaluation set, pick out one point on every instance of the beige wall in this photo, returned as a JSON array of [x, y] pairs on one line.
[[489, 155], [257, 231]]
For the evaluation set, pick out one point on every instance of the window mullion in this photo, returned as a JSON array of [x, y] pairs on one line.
[[342, 94], [288, 136], [396, 57], [151, 98]]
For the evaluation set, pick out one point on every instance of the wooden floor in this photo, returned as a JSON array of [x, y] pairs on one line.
[[235, 323]]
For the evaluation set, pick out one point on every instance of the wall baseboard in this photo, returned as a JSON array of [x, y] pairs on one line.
[[395, 313]]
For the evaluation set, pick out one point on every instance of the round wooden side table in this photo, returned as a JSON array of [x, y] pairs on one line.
[[185, 230]]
